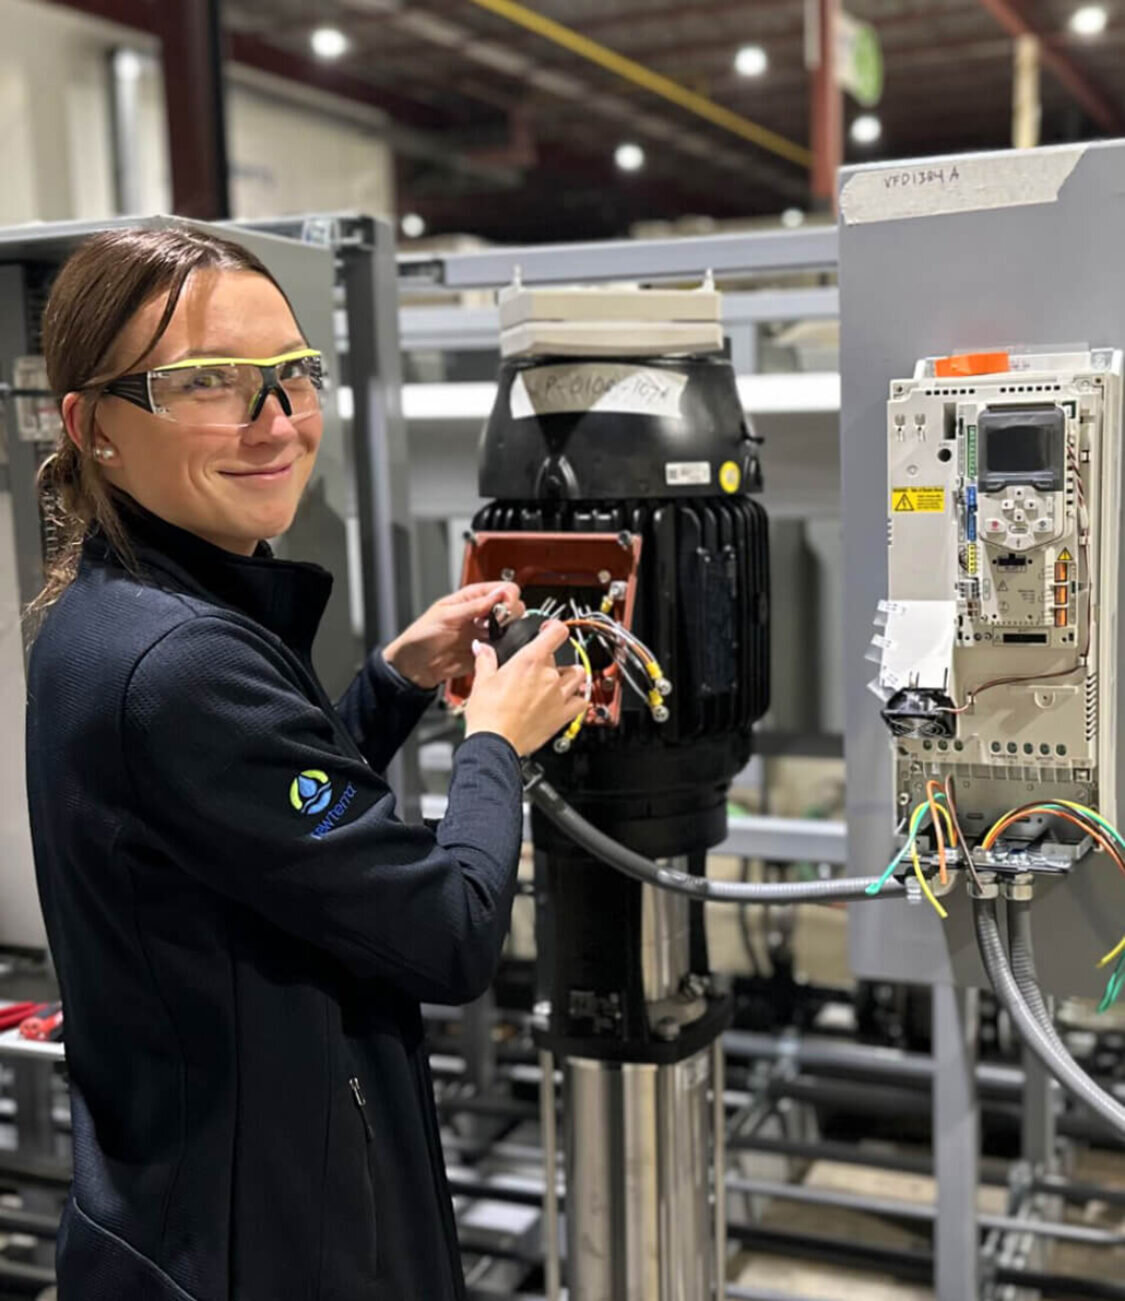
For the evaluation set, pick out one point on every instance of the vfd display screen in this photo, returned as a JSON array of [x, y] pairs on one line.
[[1022, 445]]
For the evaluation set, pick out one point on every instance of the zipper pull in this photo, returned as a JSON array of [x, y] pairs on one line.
[[361, 1103]]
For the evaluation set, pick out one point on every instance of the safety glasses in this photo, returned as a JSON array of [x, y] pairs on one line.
[[226, 392]]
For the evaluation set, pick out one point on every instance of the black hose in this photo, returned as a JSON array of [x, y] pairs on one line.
[[1047, 1047], [552, 805]]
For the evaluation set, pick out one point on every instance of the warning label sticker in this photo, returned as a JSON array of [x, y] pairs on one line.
[[923, 501]]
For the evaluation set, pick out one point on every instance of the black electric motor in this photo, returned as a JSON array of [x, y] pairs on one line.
[[684, 484]]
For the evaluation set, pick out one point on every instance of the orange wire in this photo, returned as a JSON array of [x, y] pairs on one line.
[[1019, 814], [943, 871]]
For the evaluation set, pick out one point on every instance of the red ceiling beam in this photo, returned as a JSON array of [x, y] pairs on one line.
[[144, 15], [256, 53], [1097, 104]]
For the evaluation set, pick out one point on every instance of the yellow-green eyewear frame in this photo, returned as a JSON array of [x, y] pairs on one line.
[[137, 387]]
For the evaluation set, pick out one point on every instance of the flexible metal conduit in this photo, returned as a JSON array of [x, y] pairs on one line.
[[1047, 1047], [552, 805]]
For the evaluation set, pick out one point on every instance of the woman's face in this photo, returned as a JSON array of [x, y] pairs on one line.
[[232, 487]]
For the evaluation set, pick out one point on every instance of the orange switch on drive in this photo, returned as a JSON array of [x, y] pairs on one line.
[[1060, 618], [1062, 595], [1061, 572]]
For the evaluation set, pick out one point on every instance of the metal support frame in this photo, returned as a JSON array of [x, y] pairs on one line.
[[751, 835], [191, 38], [477, 329], [811, 248], [956, 1143], [374, 363], [826, 99], [548, 1125]]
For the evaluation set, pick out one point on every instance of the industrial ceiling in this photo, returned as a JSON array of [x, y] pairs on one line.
[[505, 132]]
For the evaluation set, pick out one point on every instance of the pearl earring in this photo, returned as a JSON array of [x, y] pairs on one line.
[[104, 453]]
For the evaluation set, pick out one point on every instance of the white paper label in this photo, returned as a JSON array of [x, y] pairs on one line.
[[931, 187], [687, 474], [597, 386]]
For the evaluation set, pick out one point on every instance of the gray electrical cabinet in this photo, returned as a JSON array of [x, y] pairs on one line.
[[1020, 253]]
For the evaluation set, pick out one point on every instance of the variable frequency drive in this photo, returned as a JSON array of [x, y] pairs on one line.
[[997, 644]]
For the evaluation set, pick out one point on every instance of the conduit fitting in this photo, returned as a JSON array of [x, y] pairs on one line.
[[1019, 888], [985, 886]]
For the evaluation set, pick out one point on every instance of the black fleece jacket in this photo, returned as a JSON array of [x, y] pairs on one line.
[[244, 931]]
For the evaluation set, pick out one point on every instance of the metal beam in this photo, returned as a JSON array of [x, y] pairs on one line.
[[639, 75], [193, 98], [144, 15], [1010, 15], [811, 248], [826, 101]]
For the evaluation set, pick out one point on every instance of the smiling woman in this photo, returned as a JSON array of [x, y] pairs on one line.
[[242, 925]]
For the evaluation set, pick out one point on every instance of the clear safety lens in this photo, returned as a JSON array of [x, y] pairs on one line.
[[227, 394]]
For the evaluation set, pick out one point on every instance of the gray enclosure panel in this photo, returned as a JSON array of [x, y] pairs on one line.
[[1039, 274]]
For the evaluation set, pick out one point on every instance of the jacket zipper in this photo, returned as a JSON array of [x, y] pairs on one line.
[[361, 1105]]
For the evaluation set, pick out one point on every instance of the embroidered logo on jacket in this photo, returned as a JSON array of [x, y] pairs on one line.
[[334, 815], [310, 791]]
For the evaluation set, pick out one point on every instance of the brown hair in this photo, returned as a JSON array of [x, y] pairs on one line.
[[102, 285]]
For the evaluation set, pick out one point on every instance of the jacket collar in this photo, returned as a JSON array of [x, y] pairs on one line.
[[286, 596]]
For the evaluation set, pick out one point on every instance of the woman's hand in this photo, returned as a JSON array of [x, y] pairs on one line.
[[438, 646], [530, 698]]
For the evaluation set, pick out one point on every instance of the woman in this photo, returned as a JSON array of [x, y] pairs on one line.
[[243, 929]]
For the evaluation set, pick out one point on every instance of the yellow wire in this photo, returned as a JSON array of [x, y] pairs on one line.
[[1113, 953], [580, 650], [925, 884]]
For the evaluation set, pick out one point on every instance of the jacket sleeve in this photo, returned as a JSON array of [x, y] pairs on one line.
[[380, 709], [249, 786]]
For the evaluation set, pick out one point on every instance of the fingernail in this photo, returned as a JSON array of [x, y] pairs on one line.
[[477, 647]]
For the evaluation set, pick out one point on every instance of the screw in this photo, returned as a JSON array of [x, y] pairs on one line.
[[562, 744], [664, 686], [604, 577], [667, 1028], [660, 714], [508, 575]]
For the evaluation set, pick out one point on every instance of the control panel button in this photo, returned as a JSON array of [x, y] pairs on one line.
[[995, 526], [1019, 516], [1043, 525], [1018, 493], [1031, 505], [1007, 504]]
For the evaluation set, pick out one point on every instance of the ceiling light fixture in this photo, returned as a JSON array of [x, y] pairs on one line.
[[328, 42], [413, 225], [866, 129], [1090, 20], [751, 61], [629, 157]]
